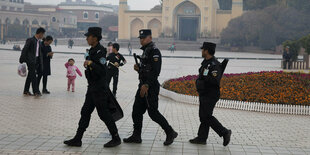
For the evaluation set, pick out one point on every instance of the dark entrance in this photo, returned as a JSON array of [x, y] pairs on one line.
[[188, 27]]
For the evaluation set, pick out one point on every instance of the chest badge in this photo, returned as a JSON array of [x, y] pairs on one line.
[[214, 73], [205, 72]]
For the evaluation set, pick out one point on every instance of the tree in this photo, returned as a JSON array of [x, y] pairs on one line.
[[305, 43], [266, 28]]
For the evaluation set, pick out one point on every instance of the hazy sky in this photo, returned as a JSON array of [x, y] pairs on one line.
[[134, 4]]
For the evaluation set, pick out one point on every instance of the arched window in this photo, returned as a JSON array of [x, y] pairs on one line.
[[85, 15], [97, 15], [53, 19]]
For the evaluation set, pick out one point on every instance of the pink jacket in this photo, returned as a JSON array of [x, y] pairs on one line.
[[72, 70]]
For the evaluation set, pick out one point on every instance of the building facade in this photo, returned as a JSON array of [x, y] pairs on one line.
[[88, 12], [13, 16], [179, 19]]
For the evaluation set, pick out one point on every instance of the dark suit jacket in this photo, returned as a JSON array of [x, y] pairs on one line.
[[28, 54]]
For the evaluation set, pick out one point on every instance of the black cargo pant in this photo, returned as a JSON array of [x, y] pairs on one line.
[[149, 103], [113, 73], [98, 100], [207, 119]]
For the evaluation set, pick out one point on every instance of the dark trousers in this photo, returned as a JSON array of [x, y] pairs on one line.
[[113, 74], [207, 119], [44, 81], [32, 78], [286, 64], [140, 106], [98, 100]]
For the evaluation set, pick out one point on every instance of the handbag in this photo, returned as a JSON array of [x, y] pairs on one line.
[[22, 70]]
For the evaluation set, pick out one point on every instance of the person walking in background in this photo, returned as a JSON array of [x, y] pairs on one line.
[[47, 55], [109, 48], [71, 73], [115, 61], [31, 55], [286, 58], [129, 48], [55, 41], [70, 43]]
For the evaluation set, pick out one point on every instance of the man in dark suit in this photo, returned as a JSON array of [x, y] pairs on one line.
[[31, 55]]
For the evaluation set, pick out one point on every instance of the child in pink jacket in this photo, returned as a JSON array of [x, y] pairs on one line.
[[71, 73]]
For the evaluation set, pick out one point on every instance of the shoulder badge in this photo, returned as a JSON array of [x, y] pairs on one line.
[[156, 58], [103, 60]]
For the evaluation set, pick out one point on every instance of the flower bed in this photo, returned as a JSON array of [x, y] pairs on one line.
[[263, 87]]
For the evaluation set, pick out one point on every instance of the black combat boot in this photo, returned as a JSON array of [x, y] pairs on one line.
[[116, 140], [76, 141], [198, 140], [134, 138], [226, 138], [170, 137]]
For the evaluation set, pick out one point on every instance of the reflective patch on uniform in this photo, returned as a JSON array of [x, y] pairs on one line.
[[103, 60], [156, 58], [98, 51], [205, 72], [214, 73]]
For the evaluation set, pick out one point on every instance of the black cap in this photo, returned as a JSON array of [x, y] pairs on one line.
[[209, 46], [95, 31], [144, 33], [116, 46], [110, 44]]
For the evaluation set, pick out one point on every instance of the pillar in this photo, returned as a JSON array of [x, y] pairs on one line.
[[2, 31], [29, 30]]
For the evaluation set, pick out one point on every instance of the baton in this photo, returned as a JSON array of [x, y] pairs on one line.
[[136, 60], [117, 67]]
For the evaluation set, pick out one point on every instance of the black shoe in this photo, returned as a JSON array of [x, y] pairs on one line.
[[27, 93], [226, 138], [170, 138], [114, 142], [198, 140], [133, 139], [38, 94], [46, 91], [73, 142]]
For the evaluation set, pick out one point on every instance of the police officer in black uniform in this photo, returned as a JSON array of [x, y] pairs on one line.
[[115, 61], [98, 92], [208, 87], [147, 95]]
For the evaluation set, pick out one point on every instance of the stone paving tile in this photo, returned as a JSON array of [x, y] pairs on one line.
[[39, 126]]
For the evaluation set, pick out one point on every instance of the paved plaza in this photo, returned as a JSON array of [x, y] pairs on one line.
[[39, 125]]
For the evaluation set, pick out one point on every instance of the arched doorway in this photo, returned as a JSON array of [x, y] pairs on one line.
[[155, 26], [17, 22], [35, 23], [187, 21], [26, 25], [135, 26]]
